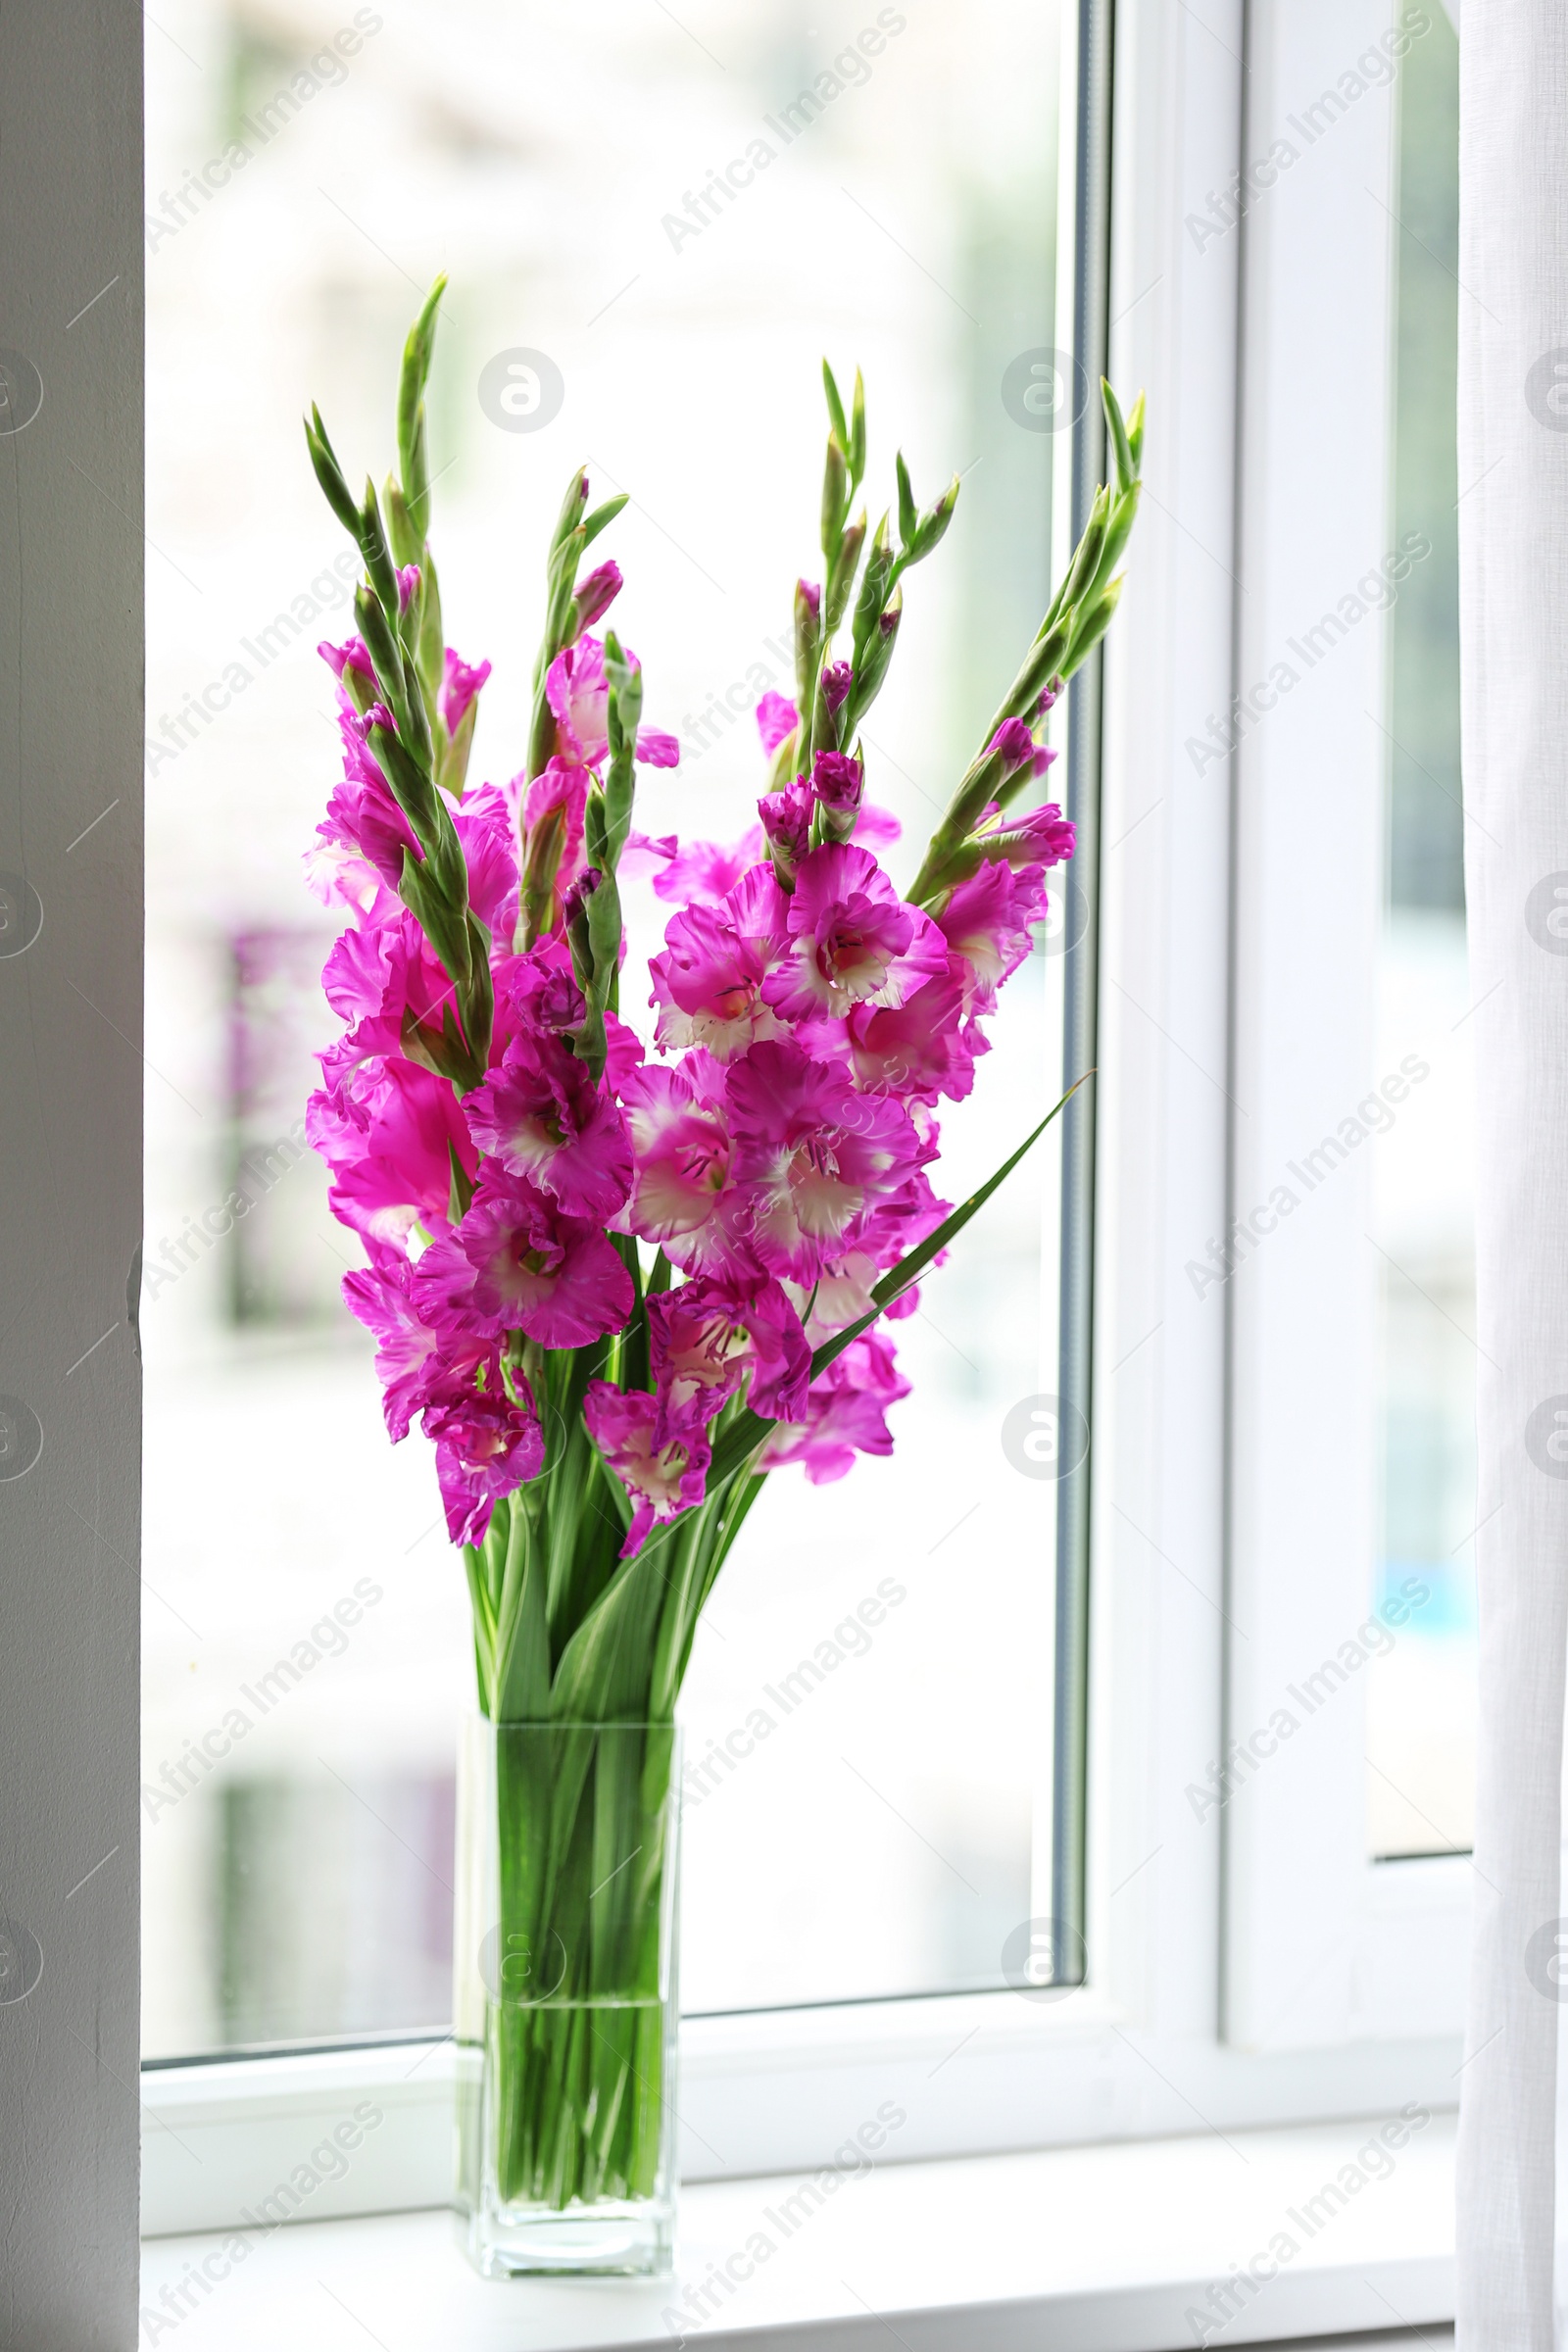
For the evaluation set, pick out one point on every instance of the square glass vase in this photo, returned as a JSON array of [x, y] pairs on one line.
[[567, 2012]]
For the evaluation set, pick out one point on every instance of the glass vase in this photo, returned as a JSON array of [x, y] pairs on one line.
[[565, 1995]]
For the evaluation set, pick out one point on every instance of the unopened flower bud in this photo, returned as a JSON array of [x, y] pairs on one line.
[[1043, 837], [597, 593], [787, 822], [838, 781], [575, 921], [1014, 741], [837, 678], [355, 671], [1013, 744], [582, 891]]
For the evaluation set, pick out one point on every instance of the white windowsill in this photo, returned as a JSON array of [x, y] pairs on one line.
[[1095, 2249]]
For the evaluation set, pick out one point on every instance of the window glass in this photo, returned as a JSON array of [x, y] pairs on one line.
[[1421, 1744], [656, 226]]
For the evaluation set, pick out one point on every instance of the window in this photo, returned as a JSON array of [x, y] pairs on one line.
[[1349, 1093], [869, 1802], [1258, 1381], [1421, 1733]]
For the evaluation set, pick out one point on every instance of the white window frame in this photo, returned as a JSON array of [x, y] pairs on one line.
[[1193, 1920], [1196, 1912], [1323, 1946]]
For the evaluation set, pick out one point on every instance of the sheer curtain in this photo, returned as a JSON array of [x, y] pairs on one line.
[[1513, 519]]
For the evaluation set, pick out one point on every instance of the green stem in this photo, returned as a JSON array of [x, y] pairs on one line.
[[577, 2039]]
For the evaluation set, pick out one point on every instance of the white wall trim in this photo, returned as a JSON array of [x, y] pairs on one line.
[[71, 1077]]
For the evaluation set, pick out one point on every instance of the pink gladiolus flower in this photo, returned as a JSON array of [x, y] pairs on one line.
[[645, 855], [389, 1134], [917, 1048], [363, 812], [338, 870], [986, 925], [704, 872], [839, 1296], [776, 717], [682, 1194], [837, 678], [535, 990], [405, 1350], [876, 828], [846, 1414], [352, 654], [518, 1262], [597, 593], [878, 1241], [482, 820], [578, 694], [853, 938], [459, 686], [810, 1156], [542, 1116], [485, 1446], [664, 1478], [841, 1293], [710, 1335], [336, 873], [408, 585], [623, 1052], [694, 1350], [560, 791], [374, 979], [709, 984]]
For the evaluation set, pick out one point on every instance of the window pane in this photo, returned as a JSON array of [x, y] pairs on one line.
[[1422, 1706], [867, 1712]]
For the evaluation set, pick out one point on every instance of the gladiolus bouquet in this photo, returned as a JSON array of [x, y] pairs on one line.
[[620, 1279]]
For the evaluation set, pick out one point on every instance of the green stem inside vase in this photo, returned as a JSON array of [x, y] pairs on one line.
[[576, 2020]]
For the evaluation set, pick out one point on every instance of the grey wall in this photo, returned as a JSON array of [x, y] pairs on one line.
[[70, 1071]]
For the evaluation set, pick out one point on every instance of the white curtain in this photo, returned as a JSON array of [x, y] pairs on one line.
[[1514, 541]]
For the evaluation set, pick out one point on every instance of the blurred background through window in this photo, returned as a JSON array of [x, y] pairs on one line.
[[654, 227]]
